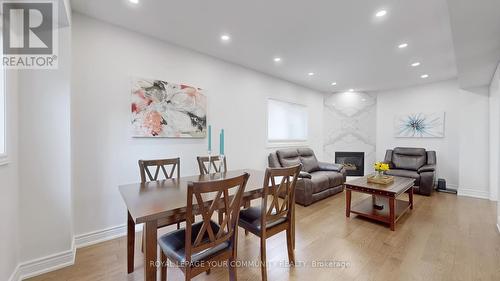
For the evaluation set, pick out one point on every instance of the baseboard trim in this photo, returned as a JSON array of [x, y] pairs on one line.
[[46, 264], [474, 193], [91, 238], [15, 274]]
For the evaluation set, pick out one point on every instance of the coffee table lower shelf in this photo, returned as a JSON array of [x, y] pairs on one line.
[[365, 208]]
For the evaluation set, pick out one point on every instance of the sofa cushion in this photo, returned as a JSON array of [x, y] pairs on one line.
[[409, 158], [319, 181], [405, 173], [288, 157], [334, 178], [308, 160]]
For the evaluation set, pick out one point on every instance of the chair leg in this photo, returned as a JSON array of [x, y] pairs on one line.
[[289, 245], [163, 265], [232, 270], [142, 240], [263, 258], [178, 225], [208, 271], [246, 206]]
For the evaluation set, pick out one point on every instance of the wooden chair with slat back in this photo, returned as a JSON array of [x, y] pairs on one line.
[[276, 212], [203, 163], [206, 242], [168, 168]]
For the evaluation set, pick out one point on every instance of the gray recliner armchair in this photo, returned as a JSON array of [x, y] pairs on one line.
[[415, 163], [317, 180]]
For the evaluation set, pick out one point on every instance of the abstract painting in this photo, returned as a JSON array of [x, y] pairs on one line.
[[419, 125], [163, 109]]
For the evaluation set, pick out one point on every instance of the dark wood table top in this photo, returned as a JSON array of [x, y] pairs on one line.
[[160, 199], [399, 186]]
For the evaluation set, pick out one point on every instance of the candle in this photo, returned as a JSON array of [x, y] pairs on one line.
[[209, 137], [221, 149]]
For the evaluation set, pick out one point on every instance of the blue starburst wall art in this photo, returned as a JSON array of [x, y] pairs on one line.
[[419, 125]]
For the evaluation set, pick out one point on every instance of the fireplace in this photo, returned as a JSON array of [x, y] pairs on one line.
[[354, 162]]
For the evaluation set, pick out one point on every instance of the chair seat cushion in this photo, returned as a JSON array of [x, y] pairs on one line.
[[404, 173], [250, 219], [173, 244]]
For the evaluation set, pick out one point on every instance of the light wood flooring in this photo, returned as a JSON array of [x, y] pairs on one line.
[[444, 237]]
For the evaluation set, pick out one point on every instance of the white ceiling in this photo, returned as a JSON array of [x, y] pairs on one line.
[[338, 40], [476, 34]]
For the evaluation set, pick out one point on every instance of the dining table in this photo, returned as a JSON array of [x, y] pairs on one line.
[[165, 202]]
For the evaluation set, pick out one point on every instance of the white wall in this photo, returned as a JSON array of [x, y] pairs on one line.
[[466, 131], [44, 158], [104, 155], [494, 92], [9, 203]]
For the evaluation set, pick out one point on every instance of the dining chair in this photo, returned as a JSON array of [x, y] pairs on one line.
[[202, 245], [204, 162], [276, 216], [168, 167]]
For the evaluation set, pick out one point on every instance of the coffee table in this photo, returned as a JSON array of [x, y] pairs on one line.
[[383, 204]]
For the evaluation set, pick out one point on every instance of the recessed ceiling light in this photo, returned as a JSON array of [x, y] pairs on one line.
[[363, 99], [423, 76], [351, 90], [415, 64], [277, 59], [381, 13], [403, 45], [225, 37], [134, 1], [334, 83], [310, 73]]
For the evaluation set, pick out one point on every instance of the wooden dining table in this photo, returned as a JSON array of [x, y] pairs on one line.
[[165, 202]]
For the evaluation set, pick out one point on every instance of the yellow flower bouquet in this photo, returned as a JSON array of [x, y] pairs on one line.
[[380, 167]]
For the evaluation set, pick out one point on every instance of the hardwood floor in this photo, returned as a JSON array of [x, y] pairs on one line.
[[444, 237]]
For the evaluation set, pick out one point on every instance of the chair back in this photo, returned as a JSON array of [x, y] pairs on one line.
[[161, 164], [279, 189], [205, 198], [204, 162]]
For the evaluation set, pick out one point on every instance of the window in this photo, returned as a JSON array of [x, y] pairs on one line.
[[286, 122]]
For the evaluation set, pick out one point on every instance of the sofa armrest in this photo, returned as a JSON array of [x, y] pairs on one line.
[[324, 166], [304, 175], [427, 168]]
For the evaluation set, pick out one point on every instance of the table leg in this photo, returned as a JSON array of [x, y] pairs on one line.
[[347, 202], [410, 195], [150, 251], [392, 212], [130, 243]]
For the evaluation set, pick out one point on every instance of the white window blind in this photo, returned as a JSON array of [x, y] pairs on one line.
[[286, 122]]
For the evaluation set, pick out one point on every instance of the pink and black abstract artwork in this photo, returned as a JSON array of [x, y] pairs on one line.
[[163, 109]]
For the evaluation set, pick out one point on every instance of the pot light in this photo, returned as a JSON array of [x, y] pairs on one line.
[[403, 45], [225, 38], [424, 76], [310, 73], [351, 90], [381, 13], [334, 83], [277, 59], [134, 1], [415, 64]]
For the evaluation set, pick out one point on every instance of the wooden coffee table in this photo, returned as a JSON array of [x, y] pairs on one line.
[[383, 205]]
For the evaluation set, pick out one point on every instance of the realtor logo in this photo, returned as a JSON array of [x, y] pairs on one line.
[[29, 35]]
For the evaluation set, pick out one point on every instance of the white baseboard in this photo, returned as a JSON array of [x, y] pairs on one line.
[[91, 238], [474, 193], [57, 261], [15, 274], [45, 264]]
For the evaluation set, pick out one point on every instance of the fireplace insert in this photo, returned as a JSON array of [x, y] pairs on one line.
[[354, 162]]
